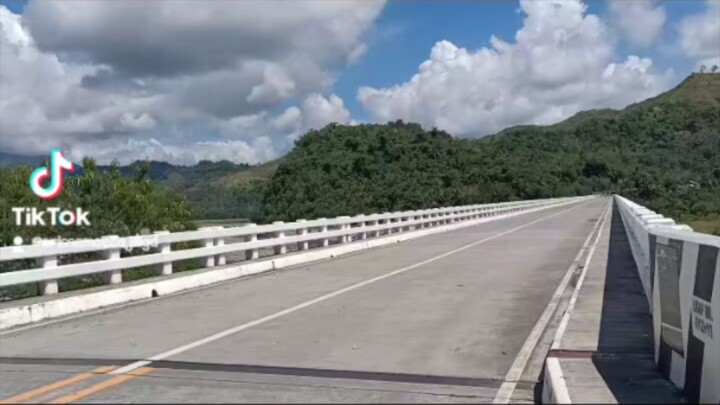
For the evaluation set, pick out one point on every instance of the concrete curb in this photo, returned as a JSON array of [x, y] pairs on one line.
[[555, 390], [25, 314]]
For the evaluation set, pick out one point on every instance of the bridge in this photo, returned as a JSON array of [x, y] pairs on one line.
[[585, 299]]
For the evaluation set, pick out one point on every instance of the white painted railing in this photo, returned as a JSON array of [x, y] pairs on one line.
[[639, 221], [680, 272], [214, 248]]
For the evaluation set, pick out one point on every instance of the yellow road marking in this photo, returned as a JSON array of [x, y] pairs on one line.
[[56, 386], [103, 386]]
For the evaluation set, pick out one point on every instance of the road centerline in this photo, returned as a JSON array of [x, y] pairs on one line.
[[287, 311], [28, 395]]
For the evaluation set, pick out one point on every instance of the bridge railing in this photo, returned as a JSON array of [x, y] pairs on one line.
[[680, 272], [214, 247]]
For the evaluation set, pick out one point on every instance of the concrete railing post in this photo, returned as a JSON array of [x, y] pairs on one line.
[[302, 232], [361, 224], [48, 287], [371, 223], [323, 230], [208, 243], [113, 276], [280, 235], [220, 259], [345, 227], [165, 268], [251, 254]]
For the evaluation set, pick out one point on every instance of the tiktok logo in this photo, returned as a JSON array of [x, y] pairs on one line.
[[58, 165], [32, 216]]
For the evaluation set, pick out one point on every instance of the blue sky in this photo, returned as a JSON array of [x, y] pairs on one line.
[[239, 92], [408, 29]]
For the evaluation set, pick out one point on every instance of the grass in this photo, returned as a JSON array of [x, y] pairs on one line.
[[263, 173], [709, 225]]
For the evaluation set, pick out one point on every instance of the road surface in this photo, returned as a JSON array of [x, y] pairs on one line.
[[443, 318]]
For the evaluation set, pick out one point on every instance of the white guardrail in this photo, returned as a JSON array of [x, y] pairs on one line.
[[680, 272], [214, 247]]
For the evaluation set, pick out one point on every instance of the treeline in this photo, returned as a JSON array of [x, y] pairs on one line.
[[664, 153], [118, 204]]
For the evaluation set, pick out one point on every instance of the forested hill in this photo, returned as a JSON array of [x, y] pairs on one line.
[[663, 152]]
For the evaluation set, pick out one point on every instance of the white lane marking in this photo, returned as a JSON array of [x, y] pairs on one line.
[[513, 375], [239, 328], [573, 299]]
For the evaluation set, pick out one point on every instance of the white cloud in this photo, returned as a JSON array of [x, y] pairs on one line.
[[700, 35], [74, 76], [562, 62], [252, 138], [319, 111], [640, 22]]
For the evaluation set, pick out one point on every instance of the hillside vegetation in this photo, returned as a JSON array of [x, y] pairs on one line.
[[663, 152], [212, 188]]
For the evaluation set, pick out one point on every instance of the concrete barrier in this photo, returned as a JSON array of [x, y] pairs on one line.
[[53, 305], [680, 272]]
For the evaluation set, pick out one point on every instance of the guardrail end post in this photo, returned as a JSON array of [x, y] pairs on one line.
[[112, 276], [165, 268]]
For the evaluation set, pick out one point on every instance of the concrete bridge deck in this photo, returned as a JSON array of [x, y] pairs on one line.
[[451, 317]]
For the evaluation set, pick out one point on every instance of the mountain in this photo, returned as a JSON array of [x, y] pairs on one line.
[[663, 152], [13, 160], [213, 187]]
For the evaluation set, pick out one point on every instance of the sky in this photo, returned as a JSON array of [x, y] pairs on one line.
[[187, 80]]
